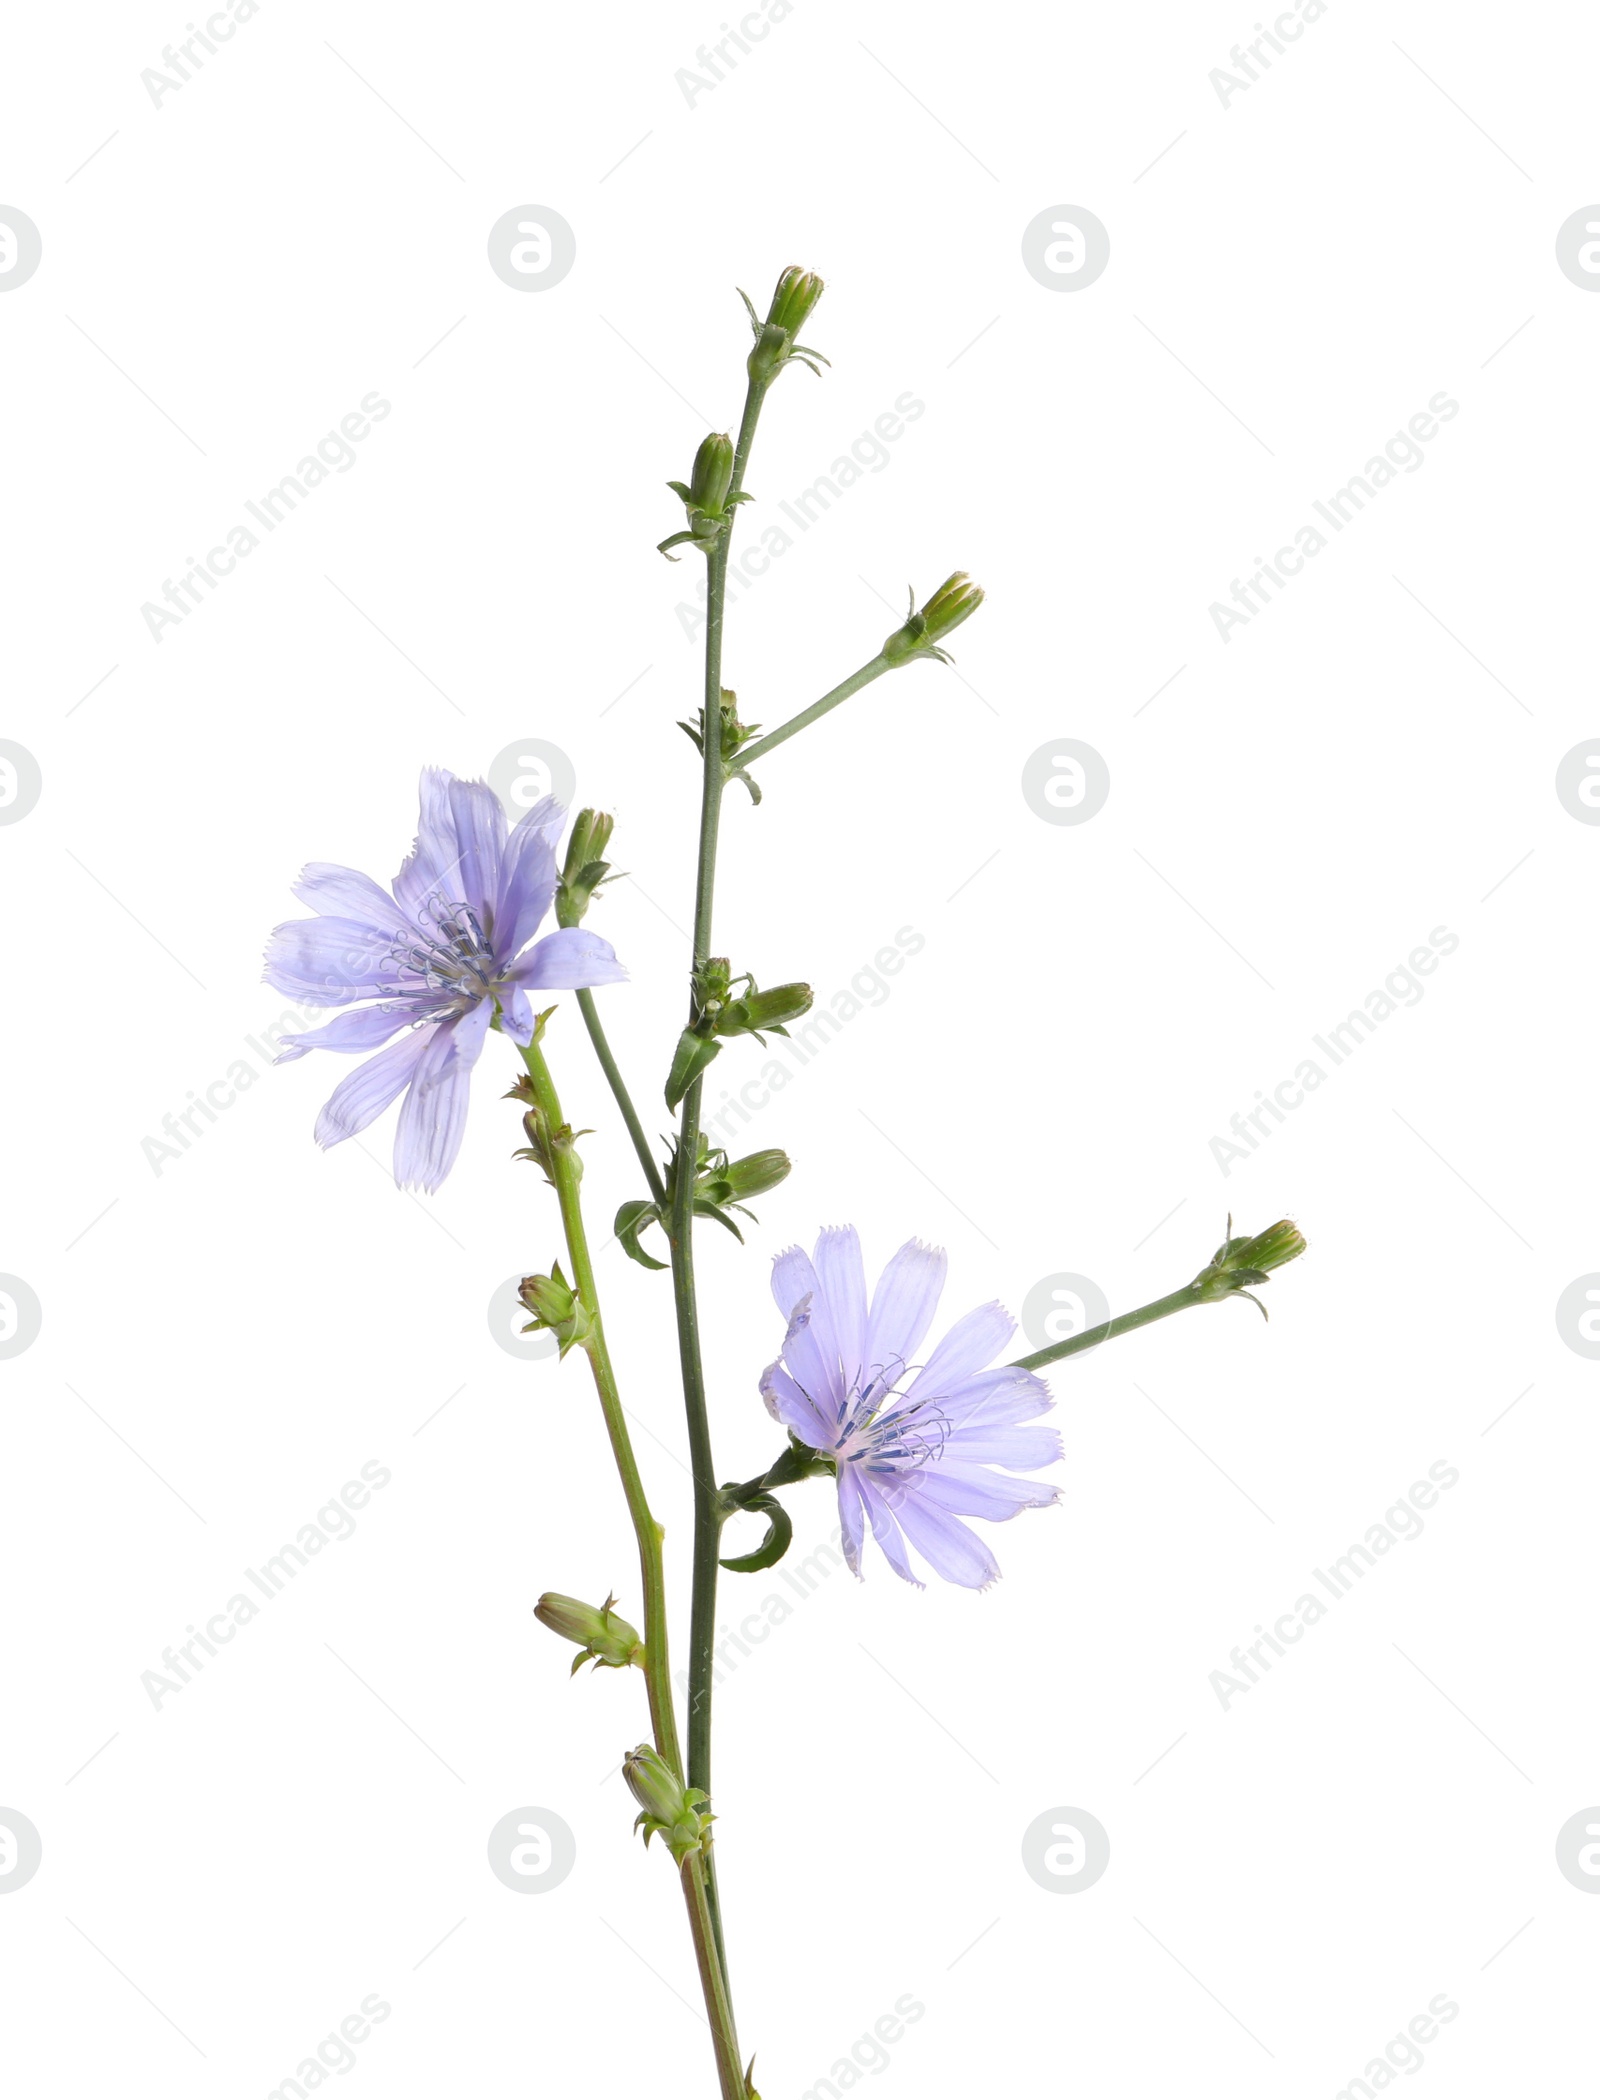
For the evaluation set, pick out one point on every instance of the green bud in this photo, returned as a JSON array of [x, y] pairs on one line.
[[667, 1808], [706, 500], [712, 476], [769, 1010], [794, 298], [796, 294], [1239, 1263], [956, 599], [739, 1179], [610, 1640], [585, 867], [557, 1308]]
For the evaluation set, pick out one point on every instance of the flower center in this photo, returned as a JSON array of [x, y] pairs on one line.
[[879, 1429], [451, 954]]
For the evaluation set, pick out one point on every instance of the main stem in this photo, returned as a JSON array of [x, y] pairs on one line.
[[707, 1515], [564, 1172]]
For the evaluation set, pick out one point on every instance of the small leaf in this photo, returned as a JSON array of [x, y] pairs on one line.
[[689, 1060]]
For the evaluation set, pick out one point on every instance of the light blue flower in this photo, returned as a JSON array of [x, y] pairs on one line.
[[916, 1446], [442, 955]]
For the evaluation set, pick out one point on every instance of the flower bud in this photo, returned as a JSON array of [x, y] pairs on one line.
[[956, 599], [794, 298], [753, 1175], [666, 1806], [705, 499], [1239, 1263], [712, 476], [796, 293], [610, 1640], [585, 867], [768, 1009], [557, 1308]]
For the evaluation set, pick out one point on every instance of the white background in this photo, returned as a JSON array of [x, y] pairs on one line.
[[225, 1342]]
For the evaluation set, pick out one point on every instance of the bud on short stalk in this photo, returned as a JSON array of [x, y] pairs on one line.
[[793, 299], [706, 501], [599, 1632], [667, 1808], [956, 599], [557, 1309], [585, 867], [1239, 1263]]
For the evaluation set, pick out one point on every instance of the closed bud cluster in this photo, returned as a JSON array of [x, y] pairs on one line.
[[956, 599], [556, 1308], [667, 1808], [793, 299], [585, 867], [706, 501], [599, 1632]]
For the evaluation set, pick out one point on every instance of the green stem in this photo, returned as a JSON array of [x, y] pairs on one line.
[[816, 710], [1108, 1330], [708, 1518], [565, 1174], [698, 1881], [614, 1079]]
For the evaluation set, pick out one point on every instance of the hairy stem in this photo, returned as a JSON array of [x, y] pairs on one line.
[[1108, 1330], [565, 1173], [707, 1512], [816, 710]]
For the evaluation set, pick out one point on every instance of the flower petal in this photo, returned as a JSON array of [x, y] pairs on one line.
[[793, 1278], [945, 1543], [345, 893], [362, 1097], [844, 1285], [887, 1532], [434, 1113], [362, 1028], [430, 869], [330, 962], [970, 1346], [567, 960], [1022, 1449], [975, 1491], [480, 822], [850, 1518], [516, 1015], [1005, 1394], [528, 874], [814, 1368], [786, 1403], [903, 1306]]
